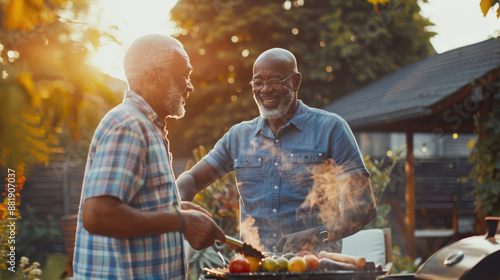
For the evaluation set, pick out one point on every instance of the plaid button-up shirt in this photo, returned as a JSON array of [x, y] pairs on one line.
[[129, 159]]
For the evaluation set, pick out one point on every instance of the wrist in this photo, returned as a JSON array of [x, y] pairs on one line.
[[323, 234], [180, 219]]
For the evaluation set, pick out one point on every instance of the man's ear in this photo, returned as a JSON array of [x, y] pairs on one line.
[[297, 79], [154, 75], [149, 80]]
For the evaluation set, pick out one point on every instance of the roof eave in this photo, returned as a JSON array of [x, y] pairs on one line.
[[389, 117]]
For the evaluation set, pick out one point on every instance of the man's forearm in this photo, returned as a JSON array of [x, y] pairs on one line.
[[196, 179], [186, 185], [107, 216], [354, 224], [358, 210]]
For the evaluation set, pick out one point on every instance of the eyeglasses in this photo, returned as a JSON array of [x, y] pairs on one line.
[[275, 83]]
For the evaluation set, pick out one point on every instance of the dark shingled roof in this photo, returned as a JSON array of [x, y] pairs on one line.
[[412, 91]]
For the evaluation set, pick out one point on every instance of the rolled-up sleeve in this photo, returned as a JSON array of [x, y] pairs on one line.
[[118, 166], [345, 150], [219, 157]]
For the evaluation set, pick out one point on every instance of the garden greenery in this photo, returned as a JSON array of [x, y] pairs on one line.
[[486, 156]]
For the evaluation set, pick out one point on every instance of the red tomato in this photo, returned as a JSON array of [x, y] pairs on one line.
[[303, 253], [312, 262], [239, 265]]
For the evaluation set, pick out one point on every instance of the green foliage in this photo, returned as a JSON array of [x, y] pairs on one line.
[[402, 264], [340, 46], [380, 177], [48, 91], [198, 260], [33, 232], [221, 200], [486, 156]]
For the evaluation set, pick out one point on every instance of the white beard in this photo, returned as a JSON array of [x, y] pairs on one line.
[[277, 113], [174, 102]]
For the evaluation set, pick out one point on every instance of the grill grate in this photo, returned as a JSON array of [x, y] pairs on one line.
[[313, 275]]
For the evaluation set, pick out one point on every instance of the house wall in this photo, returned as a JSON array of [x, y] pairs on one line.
[[440, 197], [426, 145]]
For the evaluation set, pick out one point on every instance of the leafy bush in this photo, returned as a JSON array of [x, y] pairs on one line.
[[402, 264], [380, 171], [486, 156], [221, 200], [380, 177], [34, 232]]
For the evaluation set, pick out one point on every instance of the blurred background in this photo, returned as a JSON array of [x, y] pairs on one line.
[[61, 71]]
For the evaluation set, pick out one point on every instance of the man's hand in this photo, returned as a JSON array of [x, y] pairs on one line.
[[305, 240], [185, 205], [198, 227]]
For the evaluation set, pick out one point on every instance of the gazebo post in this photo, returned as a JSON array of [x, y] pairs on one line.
[[410, 195]]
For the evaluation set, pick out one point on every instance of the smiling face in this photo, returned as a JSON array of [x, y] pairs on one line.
[[276, 103], [158, 68], [273, 103], [172, 85], [175, 87]]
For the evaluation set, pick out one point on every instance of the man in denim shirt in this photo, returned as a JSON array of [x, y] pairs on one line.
[[273, 156]]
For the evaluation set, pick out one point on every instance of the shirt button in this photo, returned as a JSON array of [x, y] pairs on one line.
[[259, 159], [276, 164], [291, 155], [320, 154], [274, 210], [274, 234], [277, 140], [235, 160], [276, 187]]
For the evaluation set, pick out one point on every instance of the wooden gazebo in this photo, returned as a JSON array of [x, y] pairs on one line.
[[438, 94]]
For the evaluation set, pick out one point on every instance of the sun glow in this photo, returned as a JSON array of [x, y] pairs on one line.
[[127, 20]]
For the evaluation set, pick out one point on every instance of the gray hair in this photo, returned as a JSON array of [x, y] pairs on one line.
[[147, 52]]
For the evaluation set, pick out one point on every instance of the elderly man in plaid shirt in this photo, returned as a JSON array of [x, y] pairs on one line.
[[131, 222]]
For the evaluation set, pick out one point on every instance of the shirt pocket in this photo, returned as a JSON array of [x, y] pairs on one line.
[[248, 171], [300, 171]]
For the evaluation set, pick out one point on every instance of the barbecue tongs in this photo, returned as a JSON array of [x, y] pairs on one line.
[[240, 247]]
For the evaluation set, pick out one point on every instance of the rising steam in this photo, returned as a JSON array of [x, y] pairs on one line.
[[335, 197], [250, 233]]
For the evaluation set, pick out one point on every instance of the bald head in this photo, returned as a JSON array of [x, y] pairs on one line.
[[275, 85], [148, 52], [277, 56]]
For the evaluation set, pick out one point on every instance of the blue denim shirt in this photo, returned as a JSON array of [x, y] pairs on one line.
[[273, 173]]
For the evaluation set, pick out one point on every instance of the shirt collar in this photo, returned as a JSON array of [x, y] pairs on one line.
[[138, 102], [298, 119]]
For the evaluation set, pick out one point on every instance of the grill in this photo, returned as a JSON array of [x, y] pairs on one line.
[[316, 275], [473, 258]]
